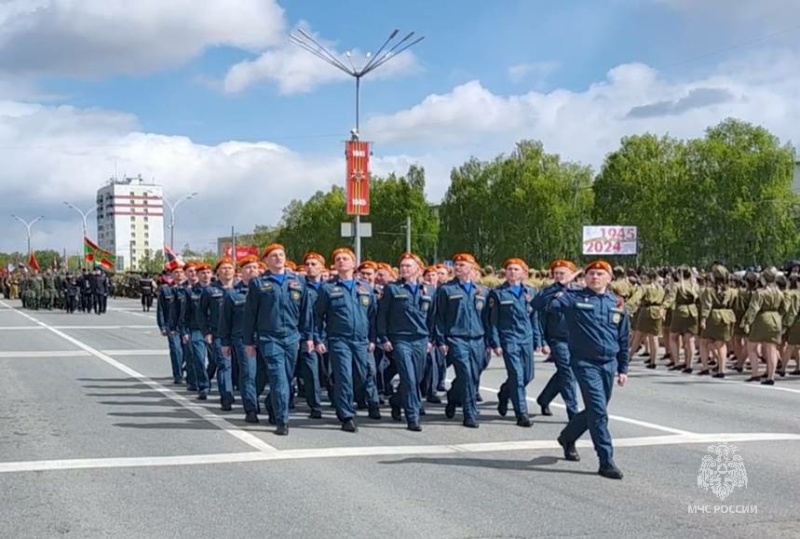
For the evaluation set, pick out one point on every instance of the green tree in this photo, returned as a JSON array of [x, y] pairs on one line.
[[152, 263], [313, 225]]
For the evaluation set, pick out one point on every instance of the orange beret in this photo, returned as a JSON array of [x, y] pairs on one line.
[[314, 256], [271, 248], [203, 267], [190, 265], [262, 266], [560, 263], [369, 264], [599, 265], [301, 268], [517, 261], [384, 266], [249, 259], [429, 269], [465, 257], [291, 265], [412, 256], [343, 250], [222, 261]]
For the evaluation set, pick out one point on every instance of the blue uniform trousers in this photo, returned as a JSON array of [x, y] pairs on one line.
[[280, 356], [211, 367], [430, 378], [247, 376], [467, 357], [224, 373], [308, 372], [175, 356], [518, 358], [596, 381], [188, 366], [441, 368], [197, 360], [409, 357], [562, 381], [353, 368]]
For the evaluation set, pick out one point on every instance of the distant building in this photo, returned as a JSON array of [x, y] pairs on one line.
[[130, 220], [796, 180]]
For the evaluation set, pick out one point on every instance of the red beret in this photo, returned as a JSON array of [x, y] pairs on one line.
[[517, 261], [413, 257], [203, 266], [369, 264], [301, 268], [465, 257], [190, 265], [249, 259], [560, 263], [271, 248], [291, 265], [222, 261], [314, 256], [599, 265], [429, 269], [343, 250]]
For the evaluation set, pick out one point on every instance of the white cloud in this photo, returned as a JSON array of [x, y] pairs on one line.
[[296, 70], [52, 154], [585, 125], [100, 37], [538, 70]]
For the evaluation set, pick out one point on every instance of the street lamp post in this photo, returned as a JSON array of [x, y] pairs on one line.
[[28, 225], [390, 49], [84, 215], [172, 209]]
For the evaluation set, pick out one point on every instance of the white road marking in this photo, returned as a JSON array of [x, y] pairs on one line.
[[54, 355], [137, 352], [19, 328], [378, 451], [152, 326], [619, 418], [200, 411], [140, 314]]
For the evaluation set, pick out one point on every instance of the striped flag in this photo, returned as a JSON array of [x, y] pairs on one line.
[[172, 259], [93, 253]]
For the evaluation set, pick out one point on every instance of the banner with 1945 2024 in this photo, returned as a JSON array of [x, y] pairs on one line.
[[609, 240]]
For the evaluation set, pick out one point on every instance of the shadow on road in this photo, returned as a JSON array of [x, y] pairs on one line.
[[539, 464]]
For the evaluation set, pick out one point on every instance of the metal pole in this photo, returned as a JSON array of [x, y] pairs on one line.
[[28, 226], [357, 222], [408, 234]]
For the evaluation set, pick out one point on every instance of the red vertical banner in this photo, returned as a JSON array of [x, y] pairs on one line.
[[357, 182]]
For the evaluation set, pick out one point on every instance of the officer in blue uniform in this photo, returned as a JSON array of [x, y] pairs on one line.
[[192, 330], [345, 317], [460, 335], [404, 325], [554, 331], [165, 308], [310, 361], [599, 329], [278, 314], [431, 377], [231, 331], [211, 309], [514, 334]]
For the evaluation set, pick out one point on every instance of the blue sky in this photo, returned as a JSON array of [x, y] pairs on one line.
[[211, 96]]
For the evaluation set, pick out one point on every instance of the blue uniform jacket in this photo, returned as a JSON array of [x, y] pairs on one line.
[[210, 307], [175, 317], [405, 313], [458, 312], [231, 315], [598, 324], [192, 317], [313, 295], [512, 318], [552, 322], [277, 310], [164, 306], [345, 313]]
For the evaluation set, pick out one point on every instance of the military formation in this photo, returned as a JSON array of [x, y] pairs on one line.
[[49, 290], [372, 335]]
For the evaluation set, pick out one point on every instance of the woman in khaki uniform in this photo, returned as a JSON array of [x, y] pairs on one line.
[[791, 325], [682, 299], [747, 288], [651, 315], [717, 320], [763, 324]]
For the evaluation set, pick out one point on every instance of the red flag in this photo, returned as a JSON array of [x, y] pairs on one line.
[[33, 263]]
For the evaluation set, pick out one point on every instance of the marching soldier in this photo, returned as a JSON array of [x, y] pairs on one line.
[[763, 324], [146, 288]]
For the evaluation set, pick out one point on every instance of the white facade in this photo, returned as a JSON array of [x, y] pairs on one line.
[[130, 220]]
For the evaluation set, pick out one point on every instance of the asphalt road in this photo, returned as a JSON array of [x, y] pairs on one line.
[[95, 441]]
